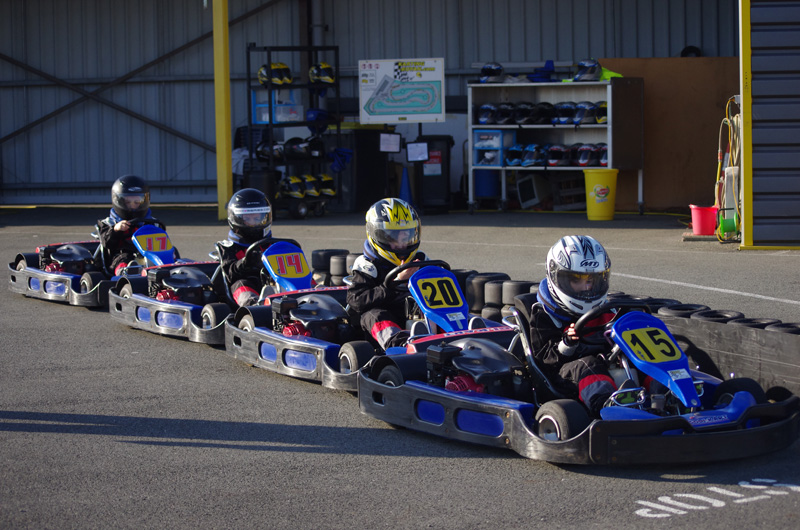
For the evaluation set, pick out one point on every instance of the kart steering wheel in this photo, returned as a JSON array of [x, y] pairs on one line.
[[582, 329], [390, 282], [141, 221]]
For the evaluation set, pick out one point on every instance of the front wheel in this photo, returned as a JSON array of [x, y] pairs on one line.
[[214, 314], [390, 376], [725, 391], [126, 291], [90, 280], [561, 419], [354, 355], [247, 323]]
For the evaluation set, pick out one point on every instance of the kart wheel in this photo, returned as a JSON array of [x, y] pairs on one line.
[[725, 391], [247, 323], [298, 209], [390, 376], [320, 259], [681, 310], [338, 265], [561, 419], [493, 293], [354, 355], [90, 280], [716, 315], [27, 259], [214, 314], [126, 291]]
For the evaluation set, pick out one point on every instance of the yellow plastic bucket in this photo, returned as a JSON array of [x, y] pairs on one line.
[[601, 193]]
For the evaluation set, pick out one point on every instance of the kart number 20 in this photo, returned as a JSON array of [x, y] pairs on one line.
[[440, 292], [651, 345]]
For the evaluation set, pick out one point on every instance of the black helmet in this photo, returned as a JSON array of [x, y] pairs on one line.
[[250, 214], [130, 197], [492, 73], [504, 114]]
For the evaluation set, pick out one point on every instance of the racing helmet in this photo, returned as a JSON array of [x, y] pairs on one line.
[[278, 73], [588, 155], [491, 72], [565, 112], [602, 148], [545, 111], [250, 214], [296, 149], [585, 112], [525, 112], [557, 155], [393, 230], [321, 73], [130, 197], [578, 273], [504, 114], [588, 70], [486, 113], [601, 112], [514, 155], [530, 155]]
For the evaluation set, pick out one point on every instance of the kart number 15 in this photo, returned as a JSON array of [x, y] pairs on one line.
[[651, 345]]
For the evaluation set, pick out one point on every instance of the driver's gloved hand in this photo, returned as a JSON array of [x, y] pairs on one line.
[[567, 346], [253, 259]]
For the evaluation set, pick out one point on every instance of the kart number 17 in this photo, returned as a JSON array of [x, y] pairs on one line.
[[651, 345]]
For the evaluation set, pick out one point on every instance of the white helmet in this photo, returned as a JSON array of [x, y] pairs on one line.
[[578, 271]]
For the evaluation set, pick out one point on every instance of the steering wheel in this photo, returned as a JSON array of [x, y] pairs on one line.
[[582, 329], [390, 282], [141, 221], [253, 252]]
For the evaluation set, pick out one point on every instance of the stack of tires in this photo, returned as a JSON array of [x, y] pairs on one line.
[[321, 264]]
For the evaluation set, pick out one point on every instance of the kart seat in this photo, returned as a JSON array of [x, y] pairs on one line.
[[317, 311], [186, 277], [484, 360], [323, 301], [71, 252]]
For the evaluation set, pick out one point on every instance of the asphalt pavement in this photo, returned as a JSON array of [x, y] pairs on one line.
[[103, 426]]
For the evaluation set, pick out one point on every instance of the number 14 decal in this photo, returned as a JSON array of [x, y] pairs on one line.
[[286, 261]]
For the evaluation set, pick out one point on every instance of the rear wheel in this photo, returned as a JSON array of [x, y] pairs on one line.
[[354, 355], [90, 280], [247, 323], [561, 419], [725, 391], [126, 291], [390, 376], [214, 314]]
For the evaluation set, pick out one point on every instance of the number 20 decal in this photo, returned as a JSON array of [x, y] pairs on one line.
[[440, 292], [651, 345]]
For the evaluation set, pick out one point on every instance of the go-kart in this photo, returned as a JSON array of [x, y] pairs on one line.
[[310, 334], [475, 390], [73, 272], [168, 296]]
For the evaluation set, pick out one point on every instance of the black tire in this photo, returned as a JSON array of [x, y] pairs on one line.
[[337, 281], [681, 310], [461, 277], [778, 393], [319, 209], [391, 376], [126, 291], [90, 280], [246, 323], [475, 288], [27, 259], [505, 312], [512, 288], [759, 323], [492, 313], [657, 303], [785, 327], [716, 315], [213, 315], [298, 209], [353, 355], [320, 259], [350, 259], [561, 419], [725, 391], [338, 265], [493, 293]]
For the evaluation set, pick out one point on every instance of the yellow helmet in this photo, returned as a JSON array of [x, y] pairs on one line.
[[393, 230]]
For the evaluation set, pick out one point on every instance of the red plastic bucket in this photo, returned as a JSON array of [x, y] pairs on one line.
[[704, 220]]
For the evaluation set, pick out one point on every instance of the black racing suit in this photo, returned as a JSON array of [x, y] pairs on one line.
[[244, 278], [118, 246]]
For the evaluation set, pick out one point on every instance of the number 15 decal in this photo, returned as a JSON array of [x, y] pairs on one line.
[[651, 345], [440, 292]]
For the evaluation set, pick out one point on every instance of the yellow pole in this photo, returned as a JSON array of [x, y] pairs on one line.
[[746, 90], [222, 105]]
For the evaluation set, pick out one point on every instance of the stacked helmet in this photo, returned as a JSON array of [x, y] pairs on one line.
[[588, 155], [492, 73], [585, 112], [250, 214], [601, 112], [530, 155], [130, 197], [603, 153], [327, 186], [296, 149], [578, 272], [486, 114], [311, 184], [588, 70], [545, 112], [317, 120], [557, 155], [504, 114], [514, 155], [525, 112], [574, 153], [321, 73], [565, 112], [393, 230], [292, 186], [278, 73]]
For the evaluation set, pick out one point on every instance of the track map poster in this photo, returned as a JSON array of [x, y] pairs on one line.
[[401, 90]]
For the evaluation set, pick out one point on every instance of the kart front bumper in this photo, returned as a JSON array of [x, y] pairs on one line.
[[57, 287], [497, 422], [300, 357]]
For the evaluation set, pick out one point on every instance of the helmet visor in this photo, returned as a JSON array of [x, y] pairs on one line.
[[586, 286], [252, 217], [132, 202]]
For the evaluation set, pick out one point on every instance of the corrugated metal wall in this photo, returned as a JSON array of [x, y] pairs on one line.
[[73, 156], [775, 71]]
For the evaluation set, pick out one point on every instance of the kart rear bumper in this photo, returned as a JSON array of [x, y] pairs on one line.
[[498, 422], [57, 287], [174, 319], [295, 356]]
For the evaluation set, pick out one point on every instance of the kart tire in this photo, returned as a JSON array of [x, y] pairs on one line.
[[27, 259], [246, 323], [319, 209], [681, 310], [785, 327], [657, 303], [561, 419], [320, 259], [350, 259], [126, 291], [493, 293], [461, 277], [90, 280], [725, 391], [759, 323], [213, 315], [777, 394], [505, 312], [338, 265], [716, 315], [353, 355], [298, 209], [475, 288], [391, 375], [492, 313], [512, 288], [337, 281]]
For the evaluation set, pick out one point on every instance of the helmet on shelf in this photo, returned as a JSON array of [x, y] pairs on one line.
[[546, 111], [292, 186], [492, 73], [487, 113], [602, 154], [296, 149], [504, 114], [321, 73], [525, 112], [565, 112], [278, 73], [393, 230], [601, 112], [578, 273], [574, 153], [588, 70], [250, 214], [557, 155], [585, 112], [531, 154], [130, 197], [311, 184], [588, 155], [514, 155]]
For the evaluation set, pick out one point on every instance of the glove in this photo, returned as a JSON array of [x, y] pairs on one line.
[[567, 346], [252, 260]]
